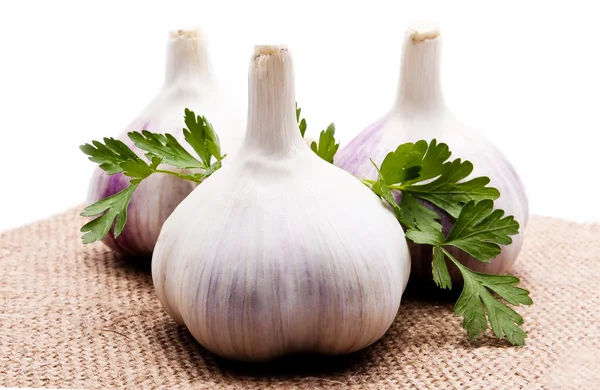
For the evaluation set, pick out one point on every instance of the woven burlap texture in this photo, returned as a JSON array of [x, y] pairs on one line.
[[80, 316]]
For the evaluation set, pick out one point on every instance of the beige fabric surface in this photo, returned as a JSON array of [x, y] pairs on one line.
[[82, 317]]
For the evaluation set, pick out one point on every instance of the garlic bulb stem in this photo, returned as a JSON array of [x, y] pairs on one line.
[[187, 58], [272, 126], [420, 87]]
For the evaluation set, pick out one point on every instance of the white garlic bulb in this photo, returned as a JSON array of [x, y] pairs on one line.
[[421, 113], [280, 252], [189, 83]]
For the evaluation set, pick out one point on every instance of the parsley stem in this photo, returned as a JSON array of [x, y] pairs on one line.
[[456, 262], [368, 182], [396, 187], [167, 172], [179, 175]]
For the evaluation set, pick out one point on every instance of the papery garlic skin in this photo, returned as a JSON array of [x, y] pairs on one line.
[[420, 113], [189, 83], [297, 256]]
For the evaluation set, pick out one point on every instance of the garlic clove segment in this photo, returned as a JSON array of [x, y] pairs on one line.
[[189, 83], [420, 112], [297, 255]]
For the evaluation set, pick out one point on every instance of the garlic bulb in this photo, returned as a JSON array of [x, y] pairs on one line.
[[288, 263], [421, 113], [188, 84]]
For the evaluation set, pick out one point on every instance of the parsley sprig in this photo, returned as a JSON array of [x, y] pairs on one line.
[[327, 146], [422, 171], [301, 122], [114, 157], [412, 164]]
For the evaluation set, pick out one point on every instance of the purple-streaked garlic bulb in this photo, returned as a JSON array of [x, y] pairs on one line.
[[284, 265], [189, 83], [421, 113]]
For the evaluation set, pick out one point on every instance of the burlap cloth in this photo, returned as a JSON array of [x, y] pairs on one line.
[[82, 317]]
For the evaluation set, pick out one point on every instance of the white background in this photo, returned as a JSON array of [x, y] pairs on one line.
[[526, 74]]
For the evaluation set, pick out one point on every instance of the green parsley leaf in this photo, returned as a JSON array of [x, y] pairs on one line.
[[165, 147], [113, 207], [505, 287], [469, 306], [116, 157], [411, 164], [411, 161], [425, 236], [439, 269], [480, 230], [402, 164], [137, 169], [327, 147], [431, 236], [202, 137], [433, 161], [476, 296], [109, 155], [301, 122], [417, 216], [448, 194]]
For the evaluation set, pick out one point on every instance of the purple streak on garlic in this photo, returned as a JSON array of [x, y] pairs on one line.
[[420, 112], [189, 83], [285, 265]]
